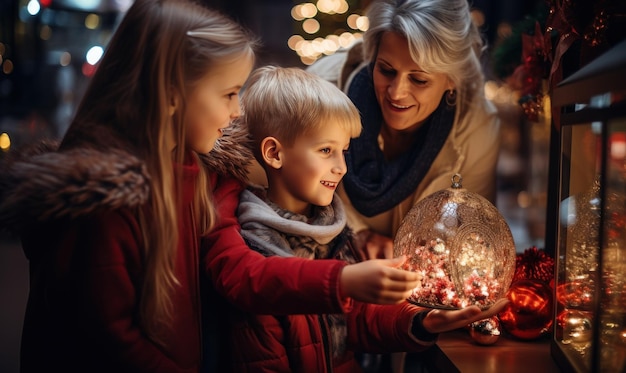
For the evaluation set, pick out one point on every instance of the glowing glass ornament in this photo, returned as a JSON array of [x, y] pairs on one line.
[[485, 332], [460, 245]]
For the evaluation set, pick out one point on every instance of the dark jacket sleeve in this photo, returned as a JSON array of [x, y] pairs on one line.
[[263, 285]]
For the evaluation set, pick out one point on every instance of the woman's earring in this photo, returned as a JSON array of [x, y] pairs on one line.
[[451, 97]]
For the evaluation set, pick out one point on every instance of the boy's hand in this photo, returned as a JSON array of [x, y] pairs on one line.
[[439, 321], [378, 281], [374, 246]]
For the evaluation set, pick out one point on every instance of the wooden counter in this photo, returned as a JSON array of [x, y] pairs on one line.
[[457, 352]]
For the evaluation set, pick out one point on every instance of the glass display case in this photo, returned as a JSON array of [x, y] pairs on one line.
[[589, 328]]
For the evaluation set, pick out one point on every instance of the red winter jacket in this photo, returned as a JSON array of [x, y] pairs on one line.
[[301, 343], [86, 275]]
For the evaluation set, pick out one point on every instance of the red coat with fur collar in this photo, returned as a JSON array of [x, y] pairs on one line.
[[86, 277]]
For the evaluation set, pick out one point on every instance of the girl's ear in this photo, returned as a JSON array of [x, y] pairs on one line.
[[174, 102], [271, 152]]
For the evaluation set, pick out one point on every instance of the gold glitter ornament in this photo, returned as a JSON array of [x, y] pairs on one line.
[[460, 245]]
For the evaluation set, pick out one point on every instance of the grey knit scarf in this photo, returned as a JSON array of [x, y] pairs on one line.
[[271, 230], [275, 231]]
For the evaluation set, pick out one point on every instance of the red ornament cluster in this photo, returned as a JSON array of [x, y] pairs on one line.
[[534, 264]]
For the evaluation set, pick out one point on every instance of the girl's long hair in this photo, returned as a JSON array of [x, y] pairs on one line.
[[158, 53]]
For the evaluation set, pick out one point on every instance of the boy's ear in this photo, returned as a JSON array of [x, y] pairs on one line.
[[271, 152]]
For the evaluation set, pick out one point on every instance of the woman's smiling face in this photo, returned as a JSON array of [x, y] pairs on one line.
[[406, 94]]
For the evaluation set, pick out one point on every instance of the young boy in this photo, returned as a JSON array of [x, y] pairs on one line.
[[300, 127]]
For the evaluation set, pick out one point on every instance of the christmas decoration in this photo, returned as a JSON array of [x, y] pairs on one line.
[[325, 26], [529, 312], [553, 42], [534, 264], [575, 294], [577, 328], [485, 332], [460, 245]]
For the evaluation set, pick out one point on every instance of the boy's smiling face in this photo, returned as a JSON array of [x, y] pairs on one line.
[[308, 172]]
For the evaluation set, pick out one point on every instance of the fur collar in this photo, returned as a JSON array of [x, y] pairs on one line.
[[40, 183]]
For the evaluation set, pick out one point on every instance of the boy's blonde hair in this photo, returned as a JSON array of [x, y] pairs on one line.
[[287, 102]]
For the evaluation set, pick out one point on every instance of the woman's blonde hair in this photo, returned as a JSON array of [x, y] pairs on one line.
[[442, 39], [287, 102], [160, 50]]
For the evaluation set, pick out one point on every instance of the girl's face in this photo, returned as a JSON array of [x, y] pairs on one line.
[[310, 169], [214, 103], [406, 94]]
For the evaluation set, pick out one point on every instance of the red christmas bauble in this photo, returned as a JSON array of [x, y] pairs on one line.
[[534, 264], [529, 312]]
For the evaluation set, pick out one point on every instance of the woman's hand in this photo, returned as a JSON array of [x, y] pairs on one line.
[[439, 321], [378, 281], [372, 245]]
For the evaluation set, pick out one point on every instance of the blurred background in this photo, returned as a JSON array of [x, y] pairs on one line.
[[49, 49]]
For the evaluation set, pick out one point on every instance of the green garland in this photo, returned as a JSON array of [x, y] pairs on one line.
[[507, 54]]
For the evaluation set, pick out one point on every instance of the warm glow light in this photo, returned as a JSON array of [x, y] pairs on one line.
[[292, 42], [478, 17], [318, 45], [65, 59], [308, 10], [346, 39], [306, 50], [7, 67], [92, 21], [504, 30], [363, 23], [296, 13], [326, 6], [500, 94], [351, 20], [523, 199], [2, 49], [311, 26], [618, 146], [308, 60], [5, 141], [329, 46], [343, 7], [333, 6], [491, 88], [311, 50], [45, 32]]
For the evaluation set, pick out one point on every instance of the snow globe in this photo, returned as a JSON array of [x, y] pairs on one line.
[[460, 245]]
